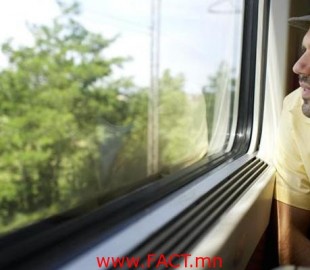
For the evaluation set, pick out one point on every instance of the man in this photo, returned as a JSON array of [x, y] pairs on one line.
[[292, 162]]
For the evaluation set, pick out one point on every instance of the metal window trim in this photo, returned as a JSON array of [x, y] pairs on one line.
[[134, 232]]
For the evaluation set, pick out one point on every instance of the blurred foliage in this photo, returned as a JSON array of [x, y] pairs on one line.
[[70, 131], [55, 97]]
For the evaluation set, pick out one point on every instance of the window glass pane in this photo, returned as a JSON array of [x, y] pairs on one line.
[[101, 97]]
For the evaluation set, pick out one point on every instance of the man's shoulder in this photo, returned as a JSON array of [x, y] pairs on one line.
[[292, 110], [293, 100]]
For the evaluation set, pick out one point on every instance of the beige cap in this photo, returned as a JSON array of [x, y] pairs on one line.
[[302, 22]]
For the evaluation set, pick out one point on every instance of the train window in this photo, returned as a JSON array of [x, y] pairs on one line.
[[100, 98]]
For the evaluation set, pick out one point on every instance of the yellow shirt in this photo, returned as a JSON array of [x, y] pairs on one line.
[[292, 157]]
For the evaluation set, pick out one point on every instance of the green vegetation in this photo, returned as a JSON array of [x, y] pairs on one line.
[[55, 98], [70, 131]]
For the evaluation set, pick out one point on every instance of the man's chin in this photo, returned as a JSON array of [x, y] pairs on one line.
[[306, 109]]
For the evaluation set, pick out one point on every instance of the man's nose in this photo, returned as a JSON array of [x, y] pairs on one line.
[[302, 66]]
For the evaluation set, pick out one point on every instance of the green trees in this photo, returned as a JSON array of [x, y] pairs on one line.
[[71, 130], [183, 126], [55, 96]]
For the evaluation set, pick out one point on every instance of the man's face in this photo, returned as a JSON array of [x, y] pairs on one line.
[[302, 68]]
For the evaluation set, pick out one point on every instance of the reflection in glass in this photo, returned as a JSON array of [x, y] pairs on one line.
[[91, 98]]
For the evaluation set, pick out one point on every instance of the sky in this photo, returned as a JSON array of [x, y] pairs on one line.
[[195, 35]]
